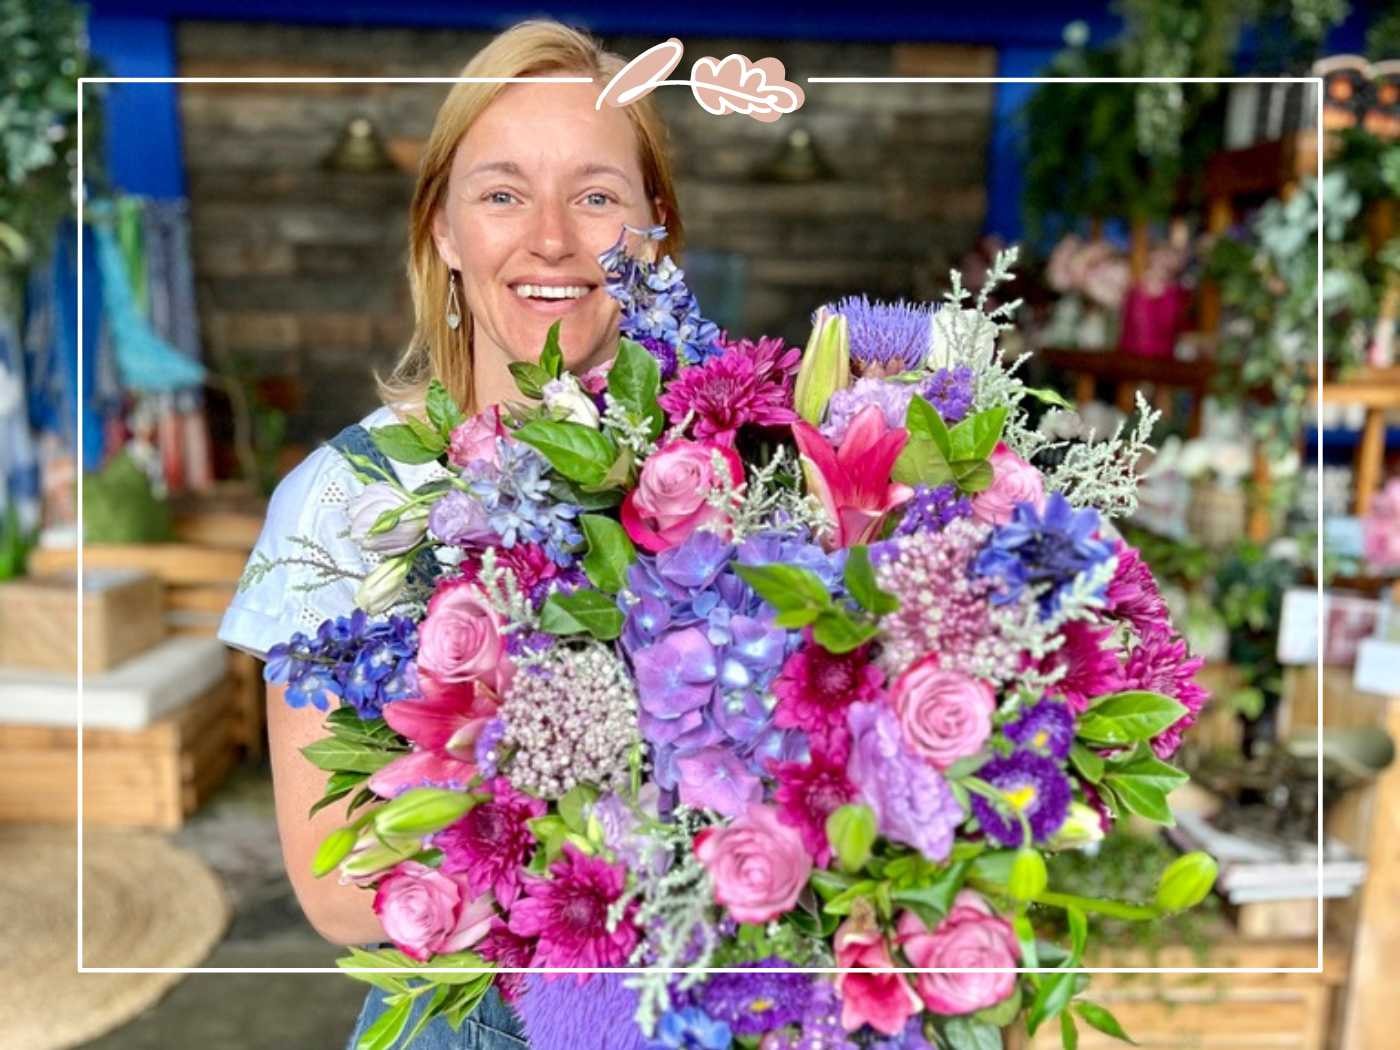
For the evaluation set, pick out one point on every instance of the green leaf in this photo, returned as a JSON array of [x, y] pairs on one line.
[[795, 618], [841, 904], [443, 412], [972, 475], [428, 436], [1004, 1012], [572, 803], [1025, 937], [551, 357], [1050, 998], [619, 476], [610, 552], [572, 492], [359, 958], [434, 1007], [635, 380], [1142, 783], [400, 442], [851, 831], [1125, 718], [386, 1029], [1078, 934], [1096, 1016], [1069, 1033], [1046, 396], [330, 798], [334, 755], [1088, 762], [785, 587], [994, 867], [937, 893], [837, 632], [921, 462], [582, 612], [829, 884], [976, 436], [923, 418], [529, 378], [578, 452], [964, 1033], [860, 581]]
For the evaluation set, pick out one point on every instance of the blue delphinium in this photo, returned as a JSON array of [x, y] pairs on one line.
[[886, 338], [519, 506], [366, 663], [1033, 548], [657, 307], [691, 1029]]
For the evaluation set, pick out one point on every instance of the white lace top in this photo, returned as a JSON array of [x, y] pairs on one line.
[[309, 502]]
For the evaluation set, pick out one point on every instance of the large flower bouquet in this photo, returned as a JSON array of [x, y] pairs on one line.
[[734, 663]]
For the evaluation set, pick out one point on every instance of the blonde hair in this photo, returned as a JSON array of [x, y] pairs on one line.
[[537, 47]]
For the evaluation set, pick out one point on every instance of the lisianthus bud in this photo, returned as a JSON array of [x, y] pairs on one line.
[[375, 501], [380, 589], [1186, 881], [564, 395], [825, 368], [422, 811], [371, 857], [334, 848], [1028, 876], [1082, 827]]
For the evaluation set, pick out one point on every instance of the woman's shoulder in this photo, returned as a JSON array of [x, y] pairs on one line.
[[324, 475]]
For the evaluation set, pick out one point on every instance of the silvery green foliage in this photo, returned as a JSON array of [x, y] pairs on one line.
[[1103, 474], [317, 561], [770, 494]]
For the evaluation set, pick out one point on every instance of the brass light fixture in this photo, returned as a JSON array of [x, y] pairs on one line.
[[797, 160], [359, 149]]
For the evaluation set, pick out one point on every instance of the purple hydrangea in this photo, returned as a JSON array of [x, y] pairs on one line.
[[949, 390], [930, 509], [1047, 729], [1033, 787], [886, 338], [912, 802], [1042, 549], [754, 1003], [366, 663]]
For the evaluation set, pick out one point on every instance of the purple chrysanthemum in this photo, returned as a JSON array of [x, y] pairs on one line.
[[886, 338], [568, 912], [949, 390], [931, 509], [665, 355], [754, 1003], [1047, 729], [891, 398], [1133, 595], [1161, 663], [492, 842], [748, 384], [1033, 787]]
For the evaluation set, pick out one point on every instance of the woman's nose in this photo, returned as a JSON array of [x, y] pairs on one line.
[[552, 235]]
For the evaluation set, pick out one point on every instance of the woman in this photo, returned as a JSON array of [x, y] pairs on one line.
[[520, 188]]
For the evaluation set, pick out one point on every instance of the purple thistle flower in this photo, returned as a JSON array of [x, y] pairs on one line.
[[1047, 729], [752, 1004], [931, 509], [950, 391], [886, 338], [1033, 787]]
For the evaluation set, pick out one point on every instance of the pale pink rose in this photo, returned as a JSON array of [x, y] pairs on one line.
[[669, 502], [460, 641], [944, 715], [595, 380], [1013, 481], [757, 862], [476, 438], [427, 913], [970, 935], [1107, 281], [884, 1001]]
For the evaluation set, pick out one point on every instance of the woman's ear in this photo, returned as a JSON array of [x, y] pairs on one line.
[[442, 238]]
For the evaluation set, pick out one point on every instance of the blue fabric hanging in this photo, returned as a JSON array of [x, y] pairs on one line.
[[19, 468]]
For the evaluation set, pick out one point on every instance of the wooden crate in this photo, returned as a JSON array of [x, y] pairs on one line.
[[152, 777], [122, 617]]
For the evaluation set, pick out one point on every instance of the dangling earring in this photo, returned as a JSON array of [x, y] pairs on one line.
[[454, 309]]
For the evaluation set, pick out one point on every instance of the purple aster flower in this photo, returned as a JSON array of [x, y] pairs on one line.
[[912, 802], [1033, 549], [932, 508], [1047, 729], [1033, 787], [691, 1029], [949, 390], [886, 338], [665, 355], [752, 1004]]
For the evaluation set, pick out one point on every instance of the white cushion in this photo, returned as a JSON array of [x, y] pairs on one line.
[[130, 696]]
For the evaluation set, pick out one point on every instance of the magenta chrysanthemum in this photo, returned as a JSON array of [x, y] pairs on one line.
[[1161, 664], [1091, 669], [492, 842], [807, 794], [815, 687], [1133, 595], [568, 912], [506, 949], [750, 384]]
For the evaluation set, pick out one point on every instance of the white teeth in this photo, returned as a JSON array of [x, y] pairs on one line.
[[539, 291]]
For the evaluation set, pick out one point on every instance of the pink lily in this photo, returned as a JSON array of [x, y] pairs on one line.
[[445, 732], [853, 481]]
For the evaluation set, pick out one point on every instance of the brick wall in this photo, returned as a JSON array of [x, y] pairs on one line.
[[301, 270]]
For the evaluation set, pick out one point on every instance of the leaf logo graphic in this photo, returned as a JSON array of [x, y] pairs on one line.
[[722, 86]]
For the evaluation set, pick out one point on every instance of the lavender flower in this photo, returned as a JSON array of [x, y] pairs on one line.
[[1033, 549], [886, 338], [487, 751], [892, 398], [1047, 729], [950, 391], [1032, 787], [931, 509]]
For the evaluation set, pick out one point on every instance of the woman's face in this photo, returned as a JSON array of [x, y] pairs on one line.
[[541, 184]]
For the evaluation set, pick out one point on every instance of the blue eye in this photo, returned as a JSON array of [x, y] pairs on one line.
[[491, 197], [607, 198]]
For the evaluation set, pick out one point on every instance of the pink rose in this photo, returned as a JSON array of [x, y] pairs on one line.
[[758, 864], [669, 503], [427, 913], [885, 1001], [476, 438], [944, 715], [1013, 481], [595, 380], [460, 641], [970, 935]]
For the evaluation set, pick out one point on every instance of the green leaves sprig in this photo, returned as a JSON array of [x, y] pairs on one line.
[[939, 455], [802, 599]]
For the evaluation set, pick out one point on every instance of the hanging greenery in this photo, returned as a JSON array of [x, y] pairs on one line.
[[43, 51]]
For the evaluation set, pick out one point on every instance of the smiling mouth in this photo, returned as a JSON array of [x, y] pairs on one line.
[[550, 293]]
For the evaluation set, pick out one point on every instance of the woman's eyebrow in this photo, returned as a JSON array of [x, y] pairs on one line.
[[509, 167]]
